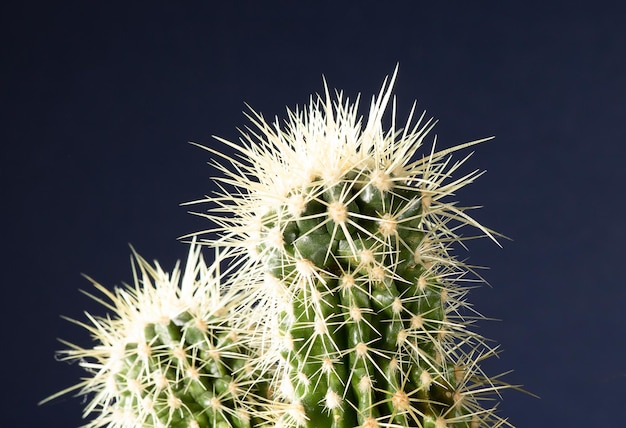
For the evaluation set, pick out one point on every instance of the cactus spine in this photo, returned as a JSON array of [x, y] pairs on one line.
[[354, 235]]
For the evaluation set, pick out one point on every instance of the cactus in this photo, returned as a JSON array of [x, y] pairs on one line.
[[172, 356], [343, 304], [364, 299]]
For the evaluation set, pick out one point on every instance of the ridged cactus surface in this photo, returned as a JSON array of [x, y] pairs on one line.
[[169, 356], [363, 299]]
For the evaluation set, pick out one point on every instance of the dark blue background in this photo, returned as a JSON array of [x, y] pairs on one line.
[[99, 100]]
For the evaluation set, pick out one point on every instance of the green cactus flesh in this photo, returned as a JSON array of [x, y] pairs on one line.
[[371, 334], [191, 377]]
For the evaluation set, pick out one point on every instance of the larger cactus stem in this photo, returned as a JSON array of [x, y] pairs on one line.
[[357, 234], [369, 306]]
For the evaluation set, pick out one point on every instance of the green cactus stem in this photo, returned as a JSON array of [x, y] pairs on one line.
[[171, 356], [355, 235]]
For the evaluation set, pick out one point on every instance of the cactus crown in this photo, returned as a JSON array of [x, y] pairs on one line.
[[363, 299]]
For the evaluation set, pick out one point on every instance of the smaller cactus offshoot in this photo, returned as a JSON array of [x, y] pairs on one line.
[[168, 355]]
